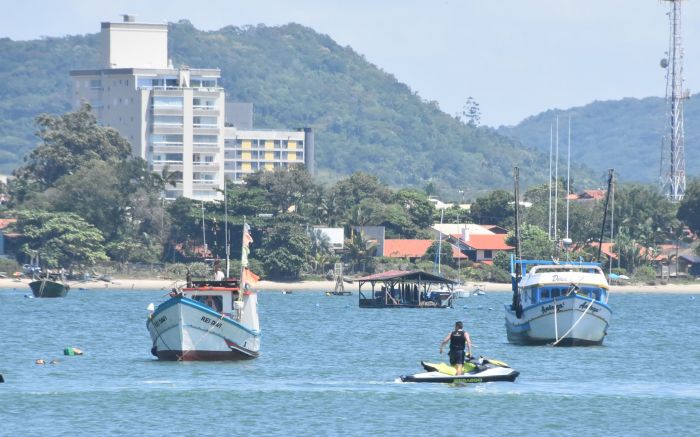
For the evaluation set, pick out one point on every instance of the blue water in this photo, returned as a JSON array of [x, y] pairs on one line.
[[329, 368]]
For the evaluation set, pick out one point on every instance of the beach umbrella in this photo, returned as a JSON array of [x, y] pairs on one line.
[[614, 276]]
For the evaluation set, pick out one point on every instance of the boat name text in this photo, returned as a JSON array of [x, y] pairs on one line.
[[549, 308], [212, 322], [160, 321]]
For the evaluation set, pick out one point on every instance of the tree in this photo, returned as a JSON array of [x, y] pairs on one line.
[[348, 193], [284, 251], [60, 239], [643, 211], [534, 243], [360, 250], [320, 252], [287, 188], [494, 209], [471, 113], [689, 208], [445, 253], [70, 141], [417, 205]]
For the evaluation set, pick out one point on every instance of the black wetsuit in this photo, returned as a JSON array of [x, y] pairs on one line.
[[458, 342]]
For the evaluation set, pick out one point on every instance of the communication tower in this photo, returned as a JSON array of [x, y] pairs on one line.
[[672, 150]]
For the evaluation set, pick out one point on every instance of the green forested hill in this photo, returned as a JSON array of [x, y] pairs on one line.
[[365, 120], [621, 134]]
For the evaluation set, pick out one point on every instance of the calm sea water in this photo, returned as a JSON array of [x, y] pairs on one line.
[[330, 368]]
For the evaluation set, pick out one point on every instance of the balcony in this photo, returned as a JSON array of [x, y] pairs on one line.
[[211, 166], [205, 147], [172, 165], [166, 110]]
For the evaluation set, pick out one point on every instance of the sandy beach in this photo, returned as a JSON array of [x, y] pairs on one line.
[[162, 284]]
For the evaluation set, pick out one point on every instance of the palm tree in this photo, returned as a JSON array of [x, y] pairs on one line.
[[360, 249]]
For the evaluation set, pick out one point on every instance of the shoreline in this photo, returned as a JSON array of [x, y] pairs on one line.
[[263, 286]]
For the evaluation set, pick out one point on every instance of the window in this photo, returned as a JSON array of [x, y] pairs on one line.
[[199, 121], [166, 140], [167, 120], [488, 254], [203, 82], [95, 83], [205, 139], [204, 103], [167, 102]]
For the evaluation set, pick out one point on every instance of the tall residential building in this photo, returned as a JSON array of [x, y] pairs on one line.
[[174, 118]]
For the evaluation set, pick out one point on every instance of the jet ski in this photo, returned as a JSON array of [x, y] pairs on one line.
[[476, 370]]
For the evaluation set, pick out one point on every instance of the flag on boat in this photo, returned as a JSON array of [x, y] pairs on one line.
[[247, 239], [249, 277]]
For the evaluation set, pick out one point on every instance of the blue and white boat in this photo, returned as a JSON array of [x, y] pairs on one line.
[[560, 304], [209, 319]]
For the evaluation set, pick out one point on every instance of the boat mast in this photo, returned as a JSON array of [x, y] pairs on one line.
[[556, 182], [568, 178], [226, 239], [551, 144], [204, 234], [605, 213], [517, 270], [612, 219], [438, 254]]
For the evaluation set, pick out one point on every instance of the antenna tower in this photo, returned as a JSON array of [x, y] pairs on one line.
[[672, 149]]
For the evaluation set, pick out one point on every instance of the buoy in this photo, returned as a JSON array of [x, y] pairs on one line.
[[53, 362], [39, 361]]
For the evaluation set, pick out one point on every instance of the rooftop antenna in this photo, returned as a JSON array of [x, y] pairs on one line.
[[672, 166]]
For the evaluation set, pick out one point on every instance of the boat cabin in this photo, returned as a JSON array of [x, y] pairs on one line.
[[546, 281], [221, 296], [405, 289]]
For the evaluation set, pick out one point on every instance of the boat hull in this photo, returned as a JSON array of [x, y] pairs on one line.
[[48, 289], [183, 329], [575, 318]]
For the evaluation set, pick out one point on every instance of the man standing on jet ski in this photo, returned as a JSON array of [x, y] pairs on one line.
[[458, 339]]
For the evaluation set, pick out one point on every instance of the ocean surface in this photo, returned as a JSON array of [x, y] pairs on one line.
[[330, 368]]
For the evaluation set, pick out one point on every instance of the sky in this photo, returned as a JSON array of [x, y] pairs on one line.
[[517, 58]]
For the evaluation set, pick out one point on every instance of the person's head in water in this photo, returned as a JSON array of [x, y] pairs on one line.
[[458, 325]]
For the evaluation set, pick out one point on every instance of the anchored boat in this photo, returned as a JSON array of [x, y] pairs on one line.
[[560, 304], [51, 285], [209, 319]]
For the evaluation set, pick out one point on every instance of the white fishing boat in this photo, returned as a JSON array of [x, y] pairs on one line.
[[209, 319], [562, 304], [559, 304]]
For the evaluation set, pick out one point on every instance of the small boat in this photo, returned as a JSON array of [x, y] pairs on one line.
[[51, 285], [209, 319], [476, 370], [339, 293], [286, 291]]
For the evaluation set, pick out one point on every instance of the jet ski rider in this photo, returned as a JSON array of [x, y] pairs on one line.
[[458, 339]]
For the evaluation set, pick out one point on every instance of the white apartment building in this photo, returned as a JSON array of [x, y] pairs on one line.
[[174, 118]]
